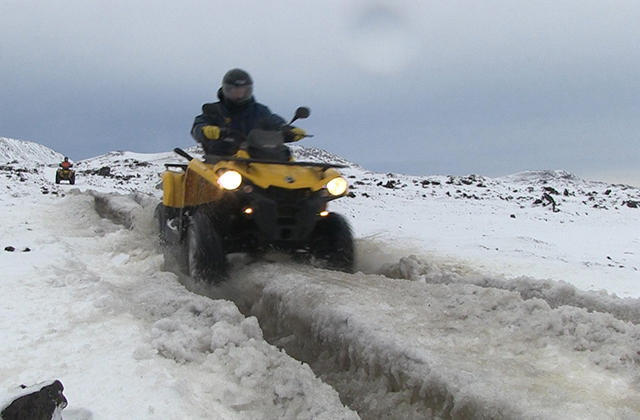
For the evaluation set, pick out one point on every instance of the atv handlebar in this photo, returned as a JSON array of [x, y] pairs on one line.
[[231, 135], [183, 153], [301, 113]]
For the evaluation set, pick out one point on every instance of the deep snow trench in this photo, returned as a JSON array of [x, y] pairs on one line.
[[430, 341]]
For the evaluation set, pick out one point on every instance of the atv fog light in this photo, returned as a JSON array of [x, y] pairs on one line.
[[324, 213], [230, 180], [337, 186]]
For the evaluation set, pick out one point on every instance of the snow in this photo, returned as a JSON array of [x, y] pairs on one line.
[[473, 298]]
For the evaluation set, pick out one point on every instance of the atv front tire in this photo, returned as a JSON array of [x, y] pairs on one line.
[[57, 178], [332, 242], [205, 253]]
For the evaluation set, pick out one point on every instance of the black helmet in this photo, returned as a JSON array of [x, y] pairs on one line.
[[237, 86]]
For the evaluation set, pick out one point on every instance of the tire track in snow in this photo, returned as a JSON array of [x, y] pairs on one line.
[[398, 349], [555, 293], [221, 365], [455, 350]]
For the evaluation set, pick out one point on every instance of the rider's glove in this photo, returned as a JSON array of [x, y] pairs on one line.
[[297, 133], [212, 132]]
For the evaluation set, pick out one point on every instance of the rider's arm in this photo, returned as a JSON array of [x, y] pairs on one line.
[[269, 120], [199, 122]]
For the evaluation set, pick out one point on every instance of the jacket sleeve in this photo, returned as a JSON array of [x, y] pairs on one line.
[[270, 121], [202, 120], [196, 130]]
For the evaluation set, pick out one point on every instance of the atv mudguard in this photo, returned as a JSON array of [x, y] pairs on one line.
[[197, 186]]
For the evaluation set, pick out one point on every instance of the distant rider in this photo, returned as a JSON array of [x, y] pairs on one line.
[[236, 110], [66, 164]]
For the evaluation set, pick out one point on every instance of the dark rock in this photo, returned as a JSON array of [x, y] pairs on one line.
[[38, 405], [546, 200], [9, 248], [550, 199]]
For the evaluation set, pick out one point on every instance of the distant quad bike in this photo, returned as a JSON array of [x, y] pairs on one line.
[[255, 201], [66, 174]]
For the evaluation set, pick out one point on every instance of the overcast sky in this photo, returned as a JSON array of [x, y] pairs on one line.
[[414, 86]]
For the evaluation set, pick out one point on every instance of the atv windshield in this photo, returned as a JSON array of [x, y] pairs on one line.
[[263, 144]]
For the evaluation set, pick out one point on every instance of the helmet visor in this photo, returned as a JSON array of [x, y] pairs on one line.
[[237, 94]]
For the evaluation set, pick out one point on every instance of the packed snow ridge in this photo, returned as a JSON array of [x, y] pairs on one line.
[[475, 298]]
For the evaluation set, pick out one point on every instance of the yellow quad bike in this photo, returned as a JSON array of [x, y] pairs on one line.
[[258, 200], [65, 174]]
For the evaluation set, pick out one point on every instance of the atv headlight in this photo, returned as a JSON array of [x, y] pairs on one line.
[[230, 180], [337, 186]]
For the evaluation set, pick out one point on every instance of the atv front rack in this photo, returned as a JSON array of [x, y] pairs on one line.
[[186, 155]]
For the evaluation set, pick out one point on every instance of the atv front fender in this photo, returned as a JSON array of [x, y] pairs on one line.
[[173, 189]]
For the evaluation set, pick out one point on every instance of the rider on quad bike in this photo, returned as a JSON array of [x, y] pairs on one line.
[[66, 164], [236, 112], [247, 194], [65, 172]]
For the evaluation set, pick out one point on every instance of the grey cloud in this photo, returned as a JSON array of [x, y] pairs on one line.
[[459, 87]]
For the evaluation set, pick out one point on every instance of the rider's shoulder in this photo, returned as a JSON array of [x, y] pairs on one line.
[[261, 108], [214, 108]]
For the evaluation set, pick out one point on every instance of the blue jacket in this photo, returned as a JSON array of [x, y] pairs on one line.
[[243, 119]]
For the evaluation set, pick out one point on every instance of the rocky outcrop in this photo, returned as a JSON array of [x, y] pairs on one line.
[[44, 401]]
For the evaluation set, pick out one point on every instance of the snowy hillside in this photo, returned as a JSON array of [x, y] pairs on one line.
[[27, 152], [475, 298]]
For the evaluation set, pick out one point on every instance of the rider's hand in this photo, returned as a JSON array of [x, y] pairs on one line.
[[212, 132], [297, 133]]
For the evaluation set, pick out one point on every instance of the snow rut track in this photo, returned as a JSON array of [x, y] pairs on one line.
[[395, 348], [556, 294], [401, 349], [204, 358], [123, 209]]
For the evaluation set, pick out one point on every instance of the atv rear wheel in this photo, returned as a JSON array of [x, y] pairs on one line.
[[332, 242], [205, 253]]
